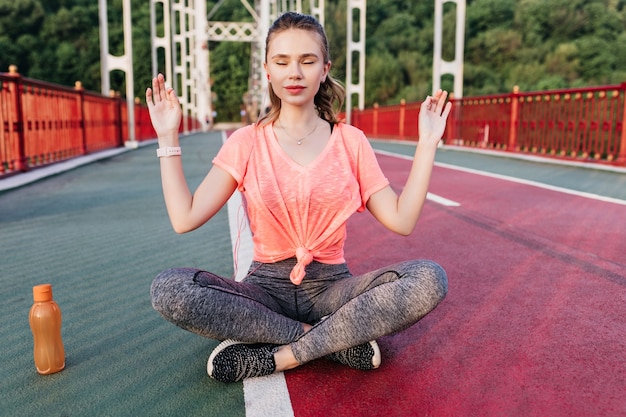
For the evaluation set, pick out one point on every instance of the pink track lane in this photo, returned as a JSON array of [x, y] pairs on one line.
[[533, 324]]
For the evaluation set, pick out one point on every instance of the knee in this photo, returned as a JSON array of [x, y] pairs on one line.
[[159, 289], [166, 287], [432, 277], [440, 279]]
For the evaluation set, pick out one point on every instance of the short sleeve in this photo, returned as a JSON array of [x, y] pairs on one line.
[[369, 174], [235, 153]]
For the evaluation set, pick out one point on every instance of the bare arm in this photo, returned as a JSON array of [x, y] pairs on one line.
[[187, 211], [400, 214]]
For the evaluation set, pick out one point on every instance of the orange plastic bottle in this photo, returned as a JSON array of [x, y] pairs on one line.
[[45, 322]]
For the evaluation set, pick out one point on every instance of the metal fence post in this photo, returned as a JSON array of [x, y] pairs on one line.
[[375, 121], [450, 135], [21, 163], [514, 119], [78, 86], [621, 156], [402, 117]]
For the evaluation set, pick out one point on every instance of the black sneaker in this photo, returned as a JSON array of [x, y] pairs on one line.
[[364, 357], [233, 361]]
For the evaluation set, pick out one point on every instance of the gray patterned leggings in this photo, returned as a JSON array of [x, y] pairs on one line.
[[266, 307]]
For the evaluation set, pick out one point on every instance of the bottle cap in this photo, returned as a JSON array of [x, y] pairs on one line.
[[42, 293]]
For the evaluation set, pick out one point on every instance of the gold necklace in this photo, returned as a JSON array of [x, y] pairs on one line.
[[298, 141]]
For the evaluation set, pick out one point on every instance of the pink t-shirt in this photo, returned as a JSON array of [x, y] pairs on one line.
[[301, 210]]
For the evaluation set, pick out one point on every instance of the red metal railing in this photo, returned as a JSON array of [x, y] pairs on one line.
[[43, 123], [585, 124]]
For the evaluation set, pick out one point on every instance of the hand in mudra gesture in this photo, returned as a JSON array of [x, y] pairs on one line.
[[432, 119], [164, 107]]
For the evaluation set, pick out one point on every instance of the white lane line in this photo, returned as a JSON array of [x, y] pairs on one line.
[[517, 180], [535, 184], [429, 196], [266, 396], [240, 236], [441, 200]]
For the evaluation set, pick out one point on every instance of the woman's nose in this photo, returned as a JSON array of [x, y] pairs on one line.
[[295, 72]]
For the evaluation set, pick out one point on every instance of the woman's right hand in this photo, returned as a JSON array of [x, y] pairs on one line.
[[165, 111]]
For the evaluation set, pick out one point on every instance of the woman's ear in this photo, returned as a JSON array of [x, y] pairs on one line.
[[326, 71]]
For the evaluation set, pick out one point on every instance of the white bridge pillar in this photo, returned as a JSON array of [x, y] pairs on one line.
[[355, 48], [188, 29], [454, 67], [122, 63]]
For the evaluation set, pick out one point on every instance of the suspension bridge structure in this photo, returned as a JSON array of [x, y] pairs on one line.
[[188, 28], [181, 31]]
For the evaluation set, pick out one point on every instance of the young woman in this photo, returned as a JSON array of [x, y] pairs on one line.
[[302, 173]]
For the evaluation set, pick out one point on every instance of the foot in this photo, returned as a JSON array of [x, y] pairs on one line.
[[364, 357], [233, 361]]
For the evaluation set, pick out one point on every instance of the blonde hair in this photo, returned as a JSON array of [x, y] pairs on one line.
[[331, 95]]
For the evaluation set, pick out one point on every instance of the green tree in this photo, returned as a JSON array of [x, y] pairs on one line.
[[20, 21], [482, 15], [69, 48], [536, 44], [596, 61], [20, 17], [229, 69], [383, 79], [564, 61]]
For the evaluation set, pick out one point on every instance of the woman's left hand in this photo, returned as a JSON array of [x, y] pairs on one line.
[[433, 115]]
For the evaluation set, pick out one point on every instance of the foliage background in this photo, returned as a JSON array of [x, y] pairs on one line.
[[536, 44]]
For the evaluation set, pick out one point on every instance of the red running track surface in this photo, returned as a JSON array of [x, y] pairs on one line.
[[534, 323]]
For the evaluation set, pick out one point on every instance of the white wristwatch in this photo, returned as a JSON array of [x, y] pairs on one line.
[[168, 151]]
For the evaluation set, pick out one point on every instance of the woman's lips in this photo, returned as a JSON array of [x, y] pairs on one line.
[[294, 89]]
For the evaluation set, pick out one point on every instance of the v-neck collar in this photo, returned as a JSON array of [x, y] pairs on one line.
[[273, 139]]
